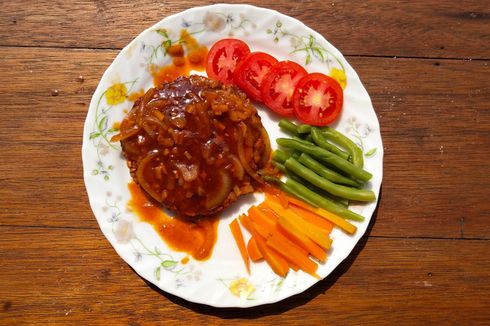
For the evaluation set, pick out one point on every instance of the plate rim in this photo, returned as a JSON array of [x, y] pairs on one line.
[[85, 158]]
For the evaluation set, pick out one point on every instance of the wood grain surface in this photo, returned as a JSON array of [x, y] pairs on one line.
[[425, 258]]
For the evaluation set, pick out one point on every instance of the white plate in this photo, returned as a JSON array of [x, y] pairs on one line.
[[222, 281]]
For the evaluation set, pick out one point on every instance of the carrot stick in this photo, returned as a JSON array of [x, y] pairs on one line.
[[264, 223], [245, 221], [312, 217], [292, 254], [315, 233], [237, 234], [278, 263], [339, 221], [279, 196], [253, 250], [281, 264], [266, 209], [293, 266], [268, 189], [299, 238]]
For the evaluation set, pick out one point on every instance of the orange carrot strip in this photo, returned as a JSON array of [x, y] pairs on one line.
[[278, 263], [267, 210], [264, 224], [269, 227], [245, 221], [299, 238], [293, 266], [292, 254], [248, 223], [339, 221], [269, 189], [253, 251], [315, 233], [282, 266], [279, 197], [312, 217], [237, 234]]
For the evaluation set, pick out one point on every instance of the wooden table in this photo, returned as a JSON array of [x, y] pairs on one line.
[[425, 258]]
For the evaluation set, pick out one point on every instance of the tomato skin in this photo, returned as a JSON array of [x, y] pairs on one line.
[[224, 57], [318, 99], [251, 72], [278, 86]]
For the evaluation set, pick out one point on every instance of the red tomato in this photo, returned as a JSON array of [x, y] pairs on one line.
[[278, 86], [223, 58], [317, 99], [251, 71]]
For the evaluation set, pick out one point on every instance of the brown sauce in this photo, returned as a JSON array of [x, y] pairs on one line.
[[194, 145], [195, 237], [187, 55]]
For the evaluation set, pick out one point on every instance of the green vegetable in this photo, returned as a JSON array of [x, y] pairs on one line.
[[326, 156], [280, 156], [288, 173], [279, 166], [354, 150], [323, 183], [309, 138], [284, 187], [304, 129], [288, 126], [325, 172], [278, 159], [297, 189], [323, 143]]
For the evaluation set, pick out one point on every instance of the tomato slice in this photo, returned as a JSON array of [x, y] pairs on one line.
[[223, 58], [278, 86], [318, 99], [251, 71]]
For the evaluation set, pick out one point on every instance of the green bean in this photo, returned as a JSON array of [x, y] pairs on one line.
[[284, 187], [298, 190], [354, 150], [288, 126], [303, 129], [296, 154], [309, 138], [323, 143], [289, 174], [326, 156], [325, 172], [323, 183], [280, 156], [279, 166], [303, 140]]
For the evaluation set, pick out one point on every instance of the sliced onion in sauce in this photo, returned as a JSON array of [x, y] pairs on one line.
[[237, 167], [217, 197], [243, 159], [149, 95], [126, 133], [151, 120], [140, 175], [267, 146]]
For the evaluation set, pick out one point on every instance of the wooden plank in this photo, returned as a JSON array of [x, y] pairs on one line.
[[434, 122], [410, 28], [74, 276], [435, 182]]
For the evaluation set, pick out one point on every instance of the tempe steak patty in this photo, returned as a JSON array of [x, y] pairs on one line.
[[194, 145]]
